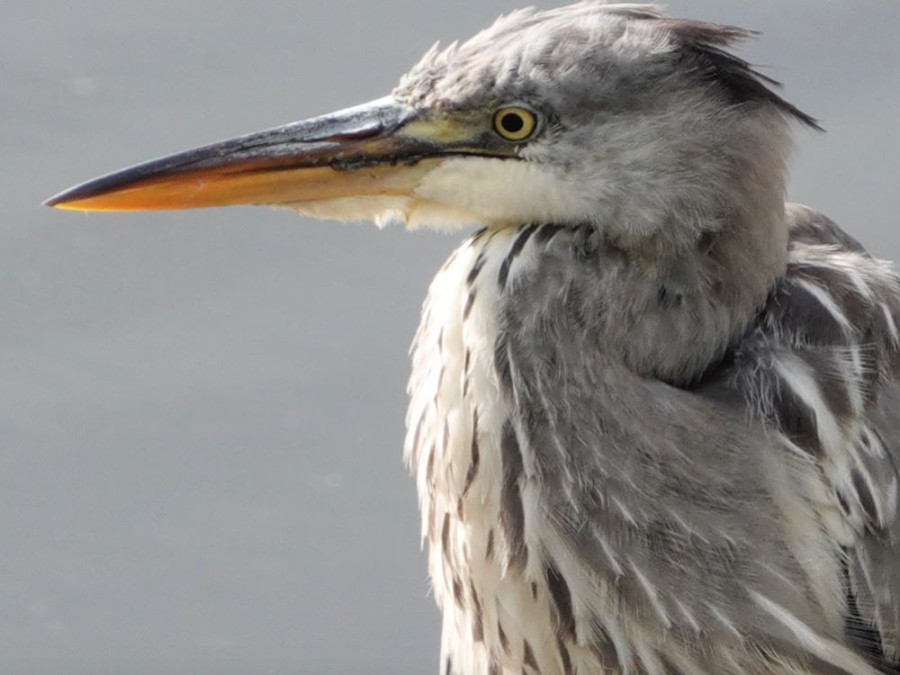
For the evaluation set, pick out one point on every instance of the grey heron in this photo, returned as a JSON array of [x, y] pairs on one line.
[[653, 415]]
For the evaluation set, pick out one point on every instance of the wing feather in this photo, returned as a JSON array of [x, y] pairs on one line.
[[823, 367]]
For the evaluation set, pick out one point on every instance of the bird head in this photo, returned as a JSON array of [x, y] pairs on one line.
[[599, 113]]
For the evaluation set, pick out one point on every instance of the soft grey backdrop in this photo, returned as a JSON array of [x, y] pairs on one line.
[[201, 413]]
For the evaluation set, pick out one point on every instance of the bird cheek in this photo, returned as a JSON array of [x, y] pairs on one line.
[[496, 191]]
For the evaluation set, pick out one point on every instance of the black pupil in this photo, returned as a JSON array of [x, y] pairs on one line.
[[512, 122]]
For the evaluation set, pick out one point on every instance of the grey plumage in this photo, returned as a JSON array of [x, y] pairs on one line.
[[692, 463], [719, 495]]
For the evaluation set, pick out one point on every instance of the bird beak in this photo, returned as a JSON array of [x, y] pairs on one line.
[[379, 149]]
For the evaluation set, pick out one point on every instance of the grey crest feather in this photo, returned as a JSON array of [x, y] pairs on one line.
[[699, 44]]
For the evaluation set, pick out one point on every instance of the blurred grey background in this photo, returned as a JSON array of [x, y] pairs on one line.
[[201, 413]]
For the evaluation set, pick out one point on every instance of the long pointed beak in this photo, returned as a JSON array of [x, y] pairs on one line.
[[379, 149]]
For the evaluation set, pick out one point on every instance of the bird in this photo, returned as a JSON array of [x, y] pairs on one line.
[[653, 416]]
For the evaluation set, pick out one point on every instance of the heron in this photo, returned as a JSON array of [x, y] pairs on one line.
[[653, 414]]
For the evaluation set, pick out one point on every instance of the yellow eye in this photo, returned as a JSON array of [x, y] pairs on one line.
[[514, 124]]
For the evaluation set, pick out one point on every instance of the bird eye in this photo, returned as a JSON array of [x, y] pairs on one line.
[[514, 124]]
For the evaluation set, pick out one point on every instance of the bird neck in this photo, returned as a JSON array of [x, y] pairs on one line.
[[670, 314], [514, 310], [679, 291]]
